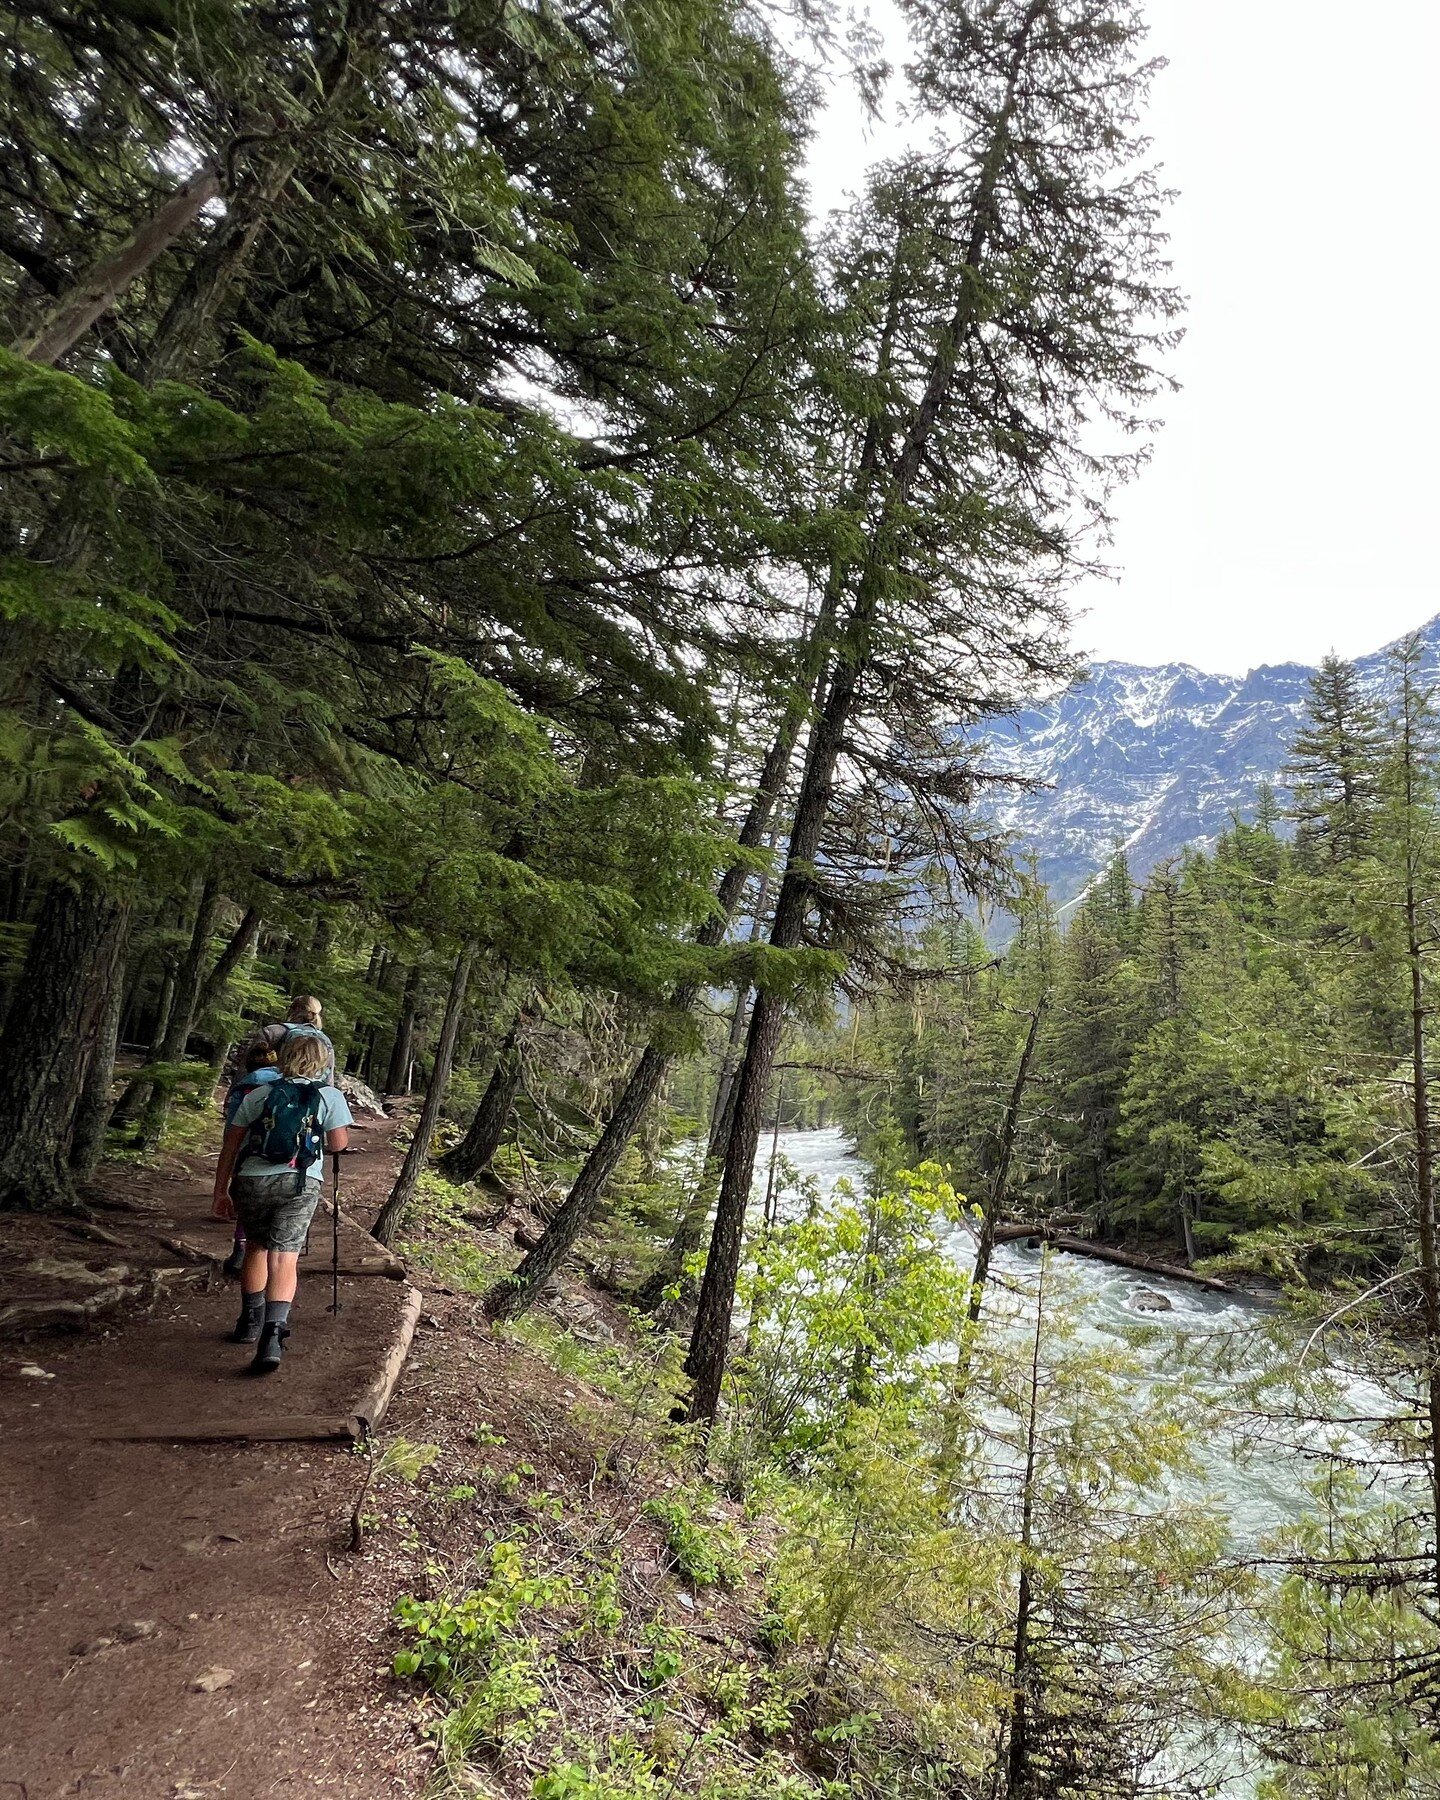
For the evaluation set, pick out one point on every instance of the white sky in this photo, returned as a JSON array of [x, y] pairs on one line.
[[1289, 503]]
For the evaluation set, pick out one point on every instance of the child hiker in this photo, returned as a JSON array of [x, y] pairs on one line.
[[259, 1068], [271, 1166], [305, 1017]]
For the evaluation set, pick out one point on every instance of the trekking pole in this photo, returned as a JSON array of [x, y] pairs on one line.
[[335, 1233]]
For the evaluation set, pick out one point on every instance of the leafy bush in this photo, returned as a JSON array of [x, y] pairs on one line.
[[706, 1552], [667, 1657], [454, 1640], [624, 1773], [602, 1614]]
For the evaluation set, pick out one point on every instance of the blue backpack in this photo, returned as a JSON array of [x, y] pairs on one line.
[[288, 1129]]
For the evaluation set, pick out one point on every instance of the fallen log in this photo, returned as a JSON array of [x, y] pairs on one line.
[[1125, 1259]]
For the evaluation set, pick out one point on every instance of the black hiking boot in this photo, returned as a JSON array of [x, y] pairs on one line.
[[251, 1321], [234, 1263], [270, 1349]]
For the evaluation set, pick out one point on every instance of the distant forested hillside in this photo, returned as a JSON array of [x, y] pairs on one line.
[[1221, 1057]]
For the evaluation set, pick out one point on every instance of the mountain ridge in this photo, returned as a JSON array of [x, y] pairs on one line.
[[1152, 759]]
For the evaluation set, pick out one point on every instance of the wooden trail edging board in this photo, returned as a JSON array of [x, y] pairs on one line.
[[358, 1421], [375, 1401]]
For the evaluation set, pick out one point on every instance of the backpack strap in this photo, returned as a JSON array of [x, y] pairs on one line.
[[309, 1127]]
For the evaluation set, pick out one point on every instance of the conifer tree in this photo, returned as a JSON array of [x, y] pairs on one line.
[[278, 493], [1035, 86], [1096, 1018], [1335, 765]]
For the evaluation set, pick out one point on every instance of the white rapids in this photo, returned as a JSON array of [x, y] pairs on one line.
[[1253, 1478]]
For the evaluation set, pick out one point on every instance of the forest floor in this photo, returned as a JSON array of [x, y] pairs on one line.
[[187, 1619]]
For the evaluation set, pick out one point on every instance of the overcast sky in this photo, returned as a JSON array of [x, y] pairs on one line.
[[1289, 507]]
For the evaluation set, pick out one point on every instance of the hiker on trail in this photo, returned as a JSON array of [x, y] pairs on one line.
[[258, 1052], [259, 1069], [306, 1017], [271, 1166]]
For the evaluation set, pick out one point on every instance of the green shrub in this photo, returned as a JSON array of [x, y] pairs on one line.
[[453, 1639], [625, 1772], [706, 1552], [602, 1614], [667, 1656]]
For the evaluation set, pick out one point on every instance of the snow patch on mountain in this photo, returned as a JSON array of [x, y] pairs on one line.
[[1152, 760]]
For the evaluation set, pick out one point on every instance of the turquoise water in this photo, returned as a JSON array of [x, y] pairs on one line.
[[1251, 1470]]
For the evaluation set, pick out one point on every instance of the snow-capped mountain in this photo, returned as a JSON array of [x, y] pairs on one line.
[[1152, 759]]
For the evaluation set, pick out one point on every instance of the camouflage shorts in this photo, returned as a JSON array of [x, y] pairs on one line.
[[275, 1217]]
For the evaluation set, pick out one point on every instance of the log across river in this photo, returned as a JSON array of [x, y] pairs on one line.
[[1122, 1259]]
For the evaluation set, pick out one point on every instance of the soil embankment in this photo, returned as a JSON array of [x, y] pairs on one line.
[[179, 1617], [187, 1618]]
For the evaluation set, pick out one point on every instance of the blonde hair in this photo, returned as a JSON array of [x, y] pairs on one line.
[[305, 1009], [303, 1055]]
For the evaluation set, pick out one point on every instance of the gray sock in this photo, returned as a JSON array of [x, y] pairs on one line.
[[252, 1305], [277, 1312]]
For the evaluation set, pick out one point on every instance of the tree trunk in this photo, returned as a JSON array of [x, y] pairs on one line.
[[212, 989], [92, 1110], [1109, 1253], [383, 985], [354, 1056], [690, 1231], [388, 1221], [510, 1297], [402, 1051], [164, 1006], [136, 976], [768, 1213], [182, 1012], [211, 274], [725, 1082], [476, 1150], [1017, 1761], [91, 297], [128, 1106], [51, 1030], [710, 1338], [1415, 935], [998, 1192], [710, 1341]]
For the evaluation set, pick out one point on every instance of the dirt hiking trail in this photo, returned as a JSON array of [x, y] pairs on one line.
[[183, 1618]]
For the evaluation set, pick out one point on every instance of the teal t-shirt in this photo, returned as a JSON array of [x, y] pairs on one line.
[[333, 1114]]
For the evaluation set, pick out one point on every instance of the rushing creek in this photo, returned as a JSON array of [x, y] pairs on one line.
[[1209, 1341]]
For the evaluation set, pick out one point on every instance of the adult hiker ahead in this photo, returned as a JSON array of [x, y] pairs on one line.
[[253, 1061], [271, 1165], [306, 1017]]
